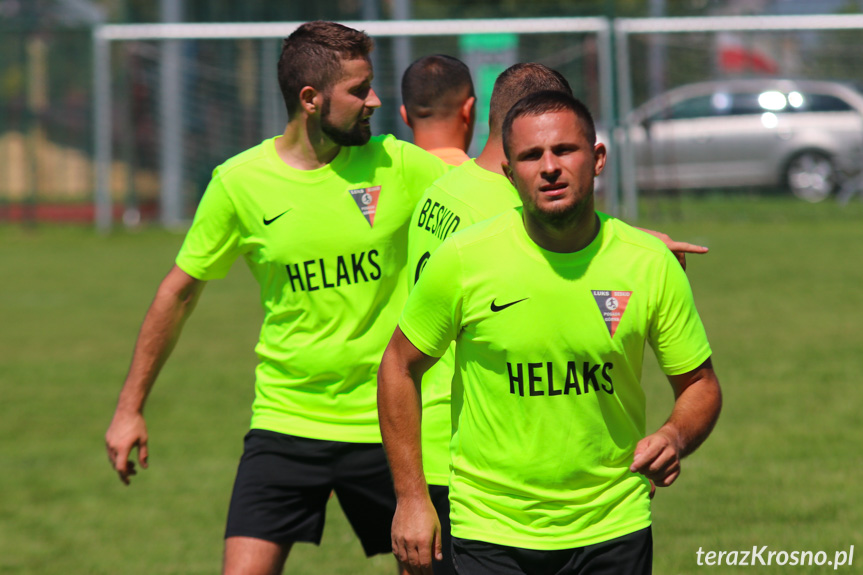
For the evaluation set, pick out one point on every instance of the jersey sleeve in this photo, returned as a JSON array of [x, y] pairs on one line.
[[420, 169], [676, 333], [432, 315], [213, 242]]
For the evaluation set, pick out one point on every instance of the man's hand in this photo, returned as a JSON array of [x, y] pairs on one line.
[[680, 249], [657, 457], [127, 431], [416, 535]]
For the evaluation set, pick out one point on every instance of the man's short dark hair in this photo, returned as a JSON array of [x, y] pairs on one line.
[[312, 56], [548, 102], [435, 87], [515, 83]]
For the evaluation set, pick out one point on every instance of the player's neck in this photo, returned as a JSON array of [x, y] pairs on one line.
[[492, 156], [440, 135], [570, 236], [304, 146]]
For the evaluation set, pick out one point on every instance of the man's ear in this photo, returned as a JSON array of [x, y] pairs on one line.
[[404, 114], [507, 171], [468, 110], [600, 155], [310, 100]]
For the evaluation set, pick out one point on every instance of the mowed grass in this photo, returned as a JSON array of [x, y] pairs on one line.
[[780, 294]]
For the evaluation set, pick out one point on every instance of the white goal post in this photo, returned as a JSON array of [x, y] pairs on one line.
[[171, 84]]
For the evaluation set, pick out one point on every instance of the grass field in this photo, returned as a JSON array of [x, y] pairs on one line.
[[781, 294]]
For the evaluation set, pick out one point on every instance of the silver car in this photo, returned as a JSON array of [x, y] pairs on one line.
[[804, 135]]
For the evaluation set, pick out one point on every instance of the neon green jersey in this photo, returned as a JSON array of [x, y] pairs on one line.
[[464, 196], [549, 351], [328, 248]]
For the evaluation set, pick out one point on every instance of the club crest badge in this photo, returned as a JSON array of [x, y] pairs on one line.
[[611, 304], [367, 201]]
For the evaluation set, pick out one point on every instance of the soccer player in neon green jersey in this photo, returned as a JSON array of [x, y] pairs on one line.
[[550, 306], [320, 216], [471, 193]]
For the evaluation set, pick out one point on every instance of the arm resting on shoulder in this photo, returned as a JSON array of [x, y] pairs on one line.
[[697, 403], [175, 299], [416, 529]]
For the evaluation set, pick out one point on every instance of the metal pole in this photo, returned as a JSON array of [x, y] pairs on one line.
[[272, 107], [371, 11], [102, 130], [606, 91], [656, 52], [627, 157], [171, 120]]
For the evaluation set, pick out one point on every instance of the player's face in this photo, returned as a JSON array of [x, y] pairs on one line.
[[552, 165], [349, 104]]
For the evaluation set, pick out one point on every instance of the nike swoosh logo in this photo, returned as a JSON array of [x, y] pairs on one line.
[[496, 308], [268, 222]]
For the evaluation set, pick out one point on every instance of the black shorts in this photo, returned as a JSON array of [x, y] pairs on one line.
[[631, 554], [440, 498], [284, 482]]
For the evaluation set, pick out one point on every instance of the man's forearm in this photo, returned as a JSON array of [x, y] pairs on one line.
[[174, 302], [415, 531], [696, 410], [399, 410]]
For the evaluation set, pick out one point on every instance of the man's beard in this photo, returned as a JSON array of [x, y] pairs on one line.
[[358, 135], [557, 219], [563, 217]]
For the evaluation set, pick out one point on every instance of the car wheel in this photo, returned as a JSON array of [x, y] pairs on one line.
[[811, 176]]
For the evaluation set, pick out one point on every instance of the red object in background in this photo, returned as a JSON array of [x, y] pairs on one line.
[[72, 213], [739, 59]]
